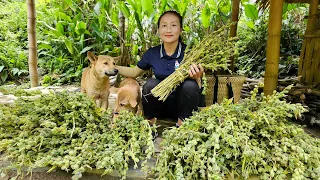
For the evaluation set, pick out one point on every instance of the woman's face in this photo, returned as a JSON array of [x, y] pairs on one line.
[[169, 28]]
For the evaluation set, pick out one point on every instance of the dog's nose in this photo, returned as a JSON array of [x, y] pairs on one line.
[[116, 70]]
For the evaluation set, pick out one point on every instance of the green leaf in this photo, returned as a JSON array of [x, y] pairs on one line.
[[147, 7], [115, 19], [284, 9], [95, 28], [102, 21], [60, 28], [1, 68], [133, 4], [65, 17], [250, 24], [251, 11], [56, 33], [4, 76], [86, 49], [130, 31], [136, 16], [43, 46], [77, 18], [97, 8], [135, 49], [164, 4], [15, 71], [184, 7], [205, 16], [68, 44], [81, 27], [124, 9]]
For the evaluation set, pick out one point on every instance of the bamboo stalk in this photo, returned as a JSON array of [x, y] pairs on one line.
[[273, 46], [307, 62], [315, 60], [313, 8], [301, 60], [311, 35], [234, 26], [33, 59], [124, 59], [316, 66]]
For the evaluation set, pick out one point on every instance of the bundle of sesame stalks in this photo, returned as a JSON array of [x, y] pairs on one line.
[[213, 53]]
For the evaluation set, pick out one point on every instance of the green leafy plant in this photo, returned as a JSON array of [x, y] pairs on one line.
[[240, 140], [13, 41], [68, 132]]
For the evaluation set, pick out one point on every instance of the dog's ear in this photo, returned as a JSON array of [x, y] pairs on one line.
[[133, 102], [117, 59], [92, 57]]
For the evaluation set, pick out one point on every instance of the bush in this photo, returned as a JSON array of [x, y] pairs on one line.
[[13, 40], [252, 59]]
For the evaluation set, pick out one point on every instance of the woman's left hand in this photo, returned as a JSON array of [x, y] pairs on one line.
[[196, 71]]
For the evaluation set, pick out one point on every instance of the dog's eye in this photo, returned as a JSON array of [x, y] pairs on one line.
[[114, 63], [106, 63], [121, 104]]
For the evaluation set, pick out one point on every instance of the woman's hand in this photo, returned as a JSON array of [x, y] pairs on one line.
[[196, 72]]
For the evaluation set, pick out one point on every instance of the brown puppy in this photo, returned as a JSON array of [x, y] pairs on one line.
[[128, 97], [95, 79]]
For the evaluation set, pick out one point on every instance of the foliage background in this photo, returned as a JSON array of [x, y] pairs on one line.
[[67, 29]]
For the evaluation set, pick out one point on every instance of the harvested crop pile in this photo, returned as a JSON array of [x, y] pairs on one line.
[[250, 138], [66, 131]]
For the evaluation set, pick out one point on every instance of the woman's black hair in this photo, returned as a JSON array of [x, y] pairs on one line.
[[174, 13], [171, 12]]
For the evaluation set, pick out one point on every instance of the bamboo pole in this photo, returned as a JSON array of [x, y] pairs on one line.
[[306, 53], [122, 37], [33, 59], [273, 46], [233, 29], [308, 60], [302, 54], [306, 73], [317, 63], [124, 59], [312, 19]]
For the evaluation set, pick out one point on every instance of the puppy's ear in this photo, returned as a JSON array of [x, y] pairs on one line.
[[133, 102], [117, 59], [92, 57]]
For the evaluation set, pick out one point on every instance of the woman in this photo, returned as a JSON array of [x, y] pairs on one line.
[[163, 60]]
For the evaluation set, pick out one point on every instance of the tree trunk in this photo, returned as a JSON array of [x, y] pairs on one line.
[[273, 46], [125, 58], [233, 29], [33, 59]]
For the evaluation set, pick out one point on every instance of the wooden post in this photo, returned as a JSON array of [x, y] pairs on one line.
[[312, 19], [122, 36], [33, 58], [273, 46], [308, 53], [233, 29]]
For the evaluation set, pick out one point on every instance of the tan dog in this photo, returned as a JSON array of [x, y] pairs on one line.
[[129, 96], [95, 79]]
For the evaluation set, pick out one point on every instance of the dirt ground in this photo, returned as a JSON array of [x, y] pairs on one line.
[[62, 175]]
